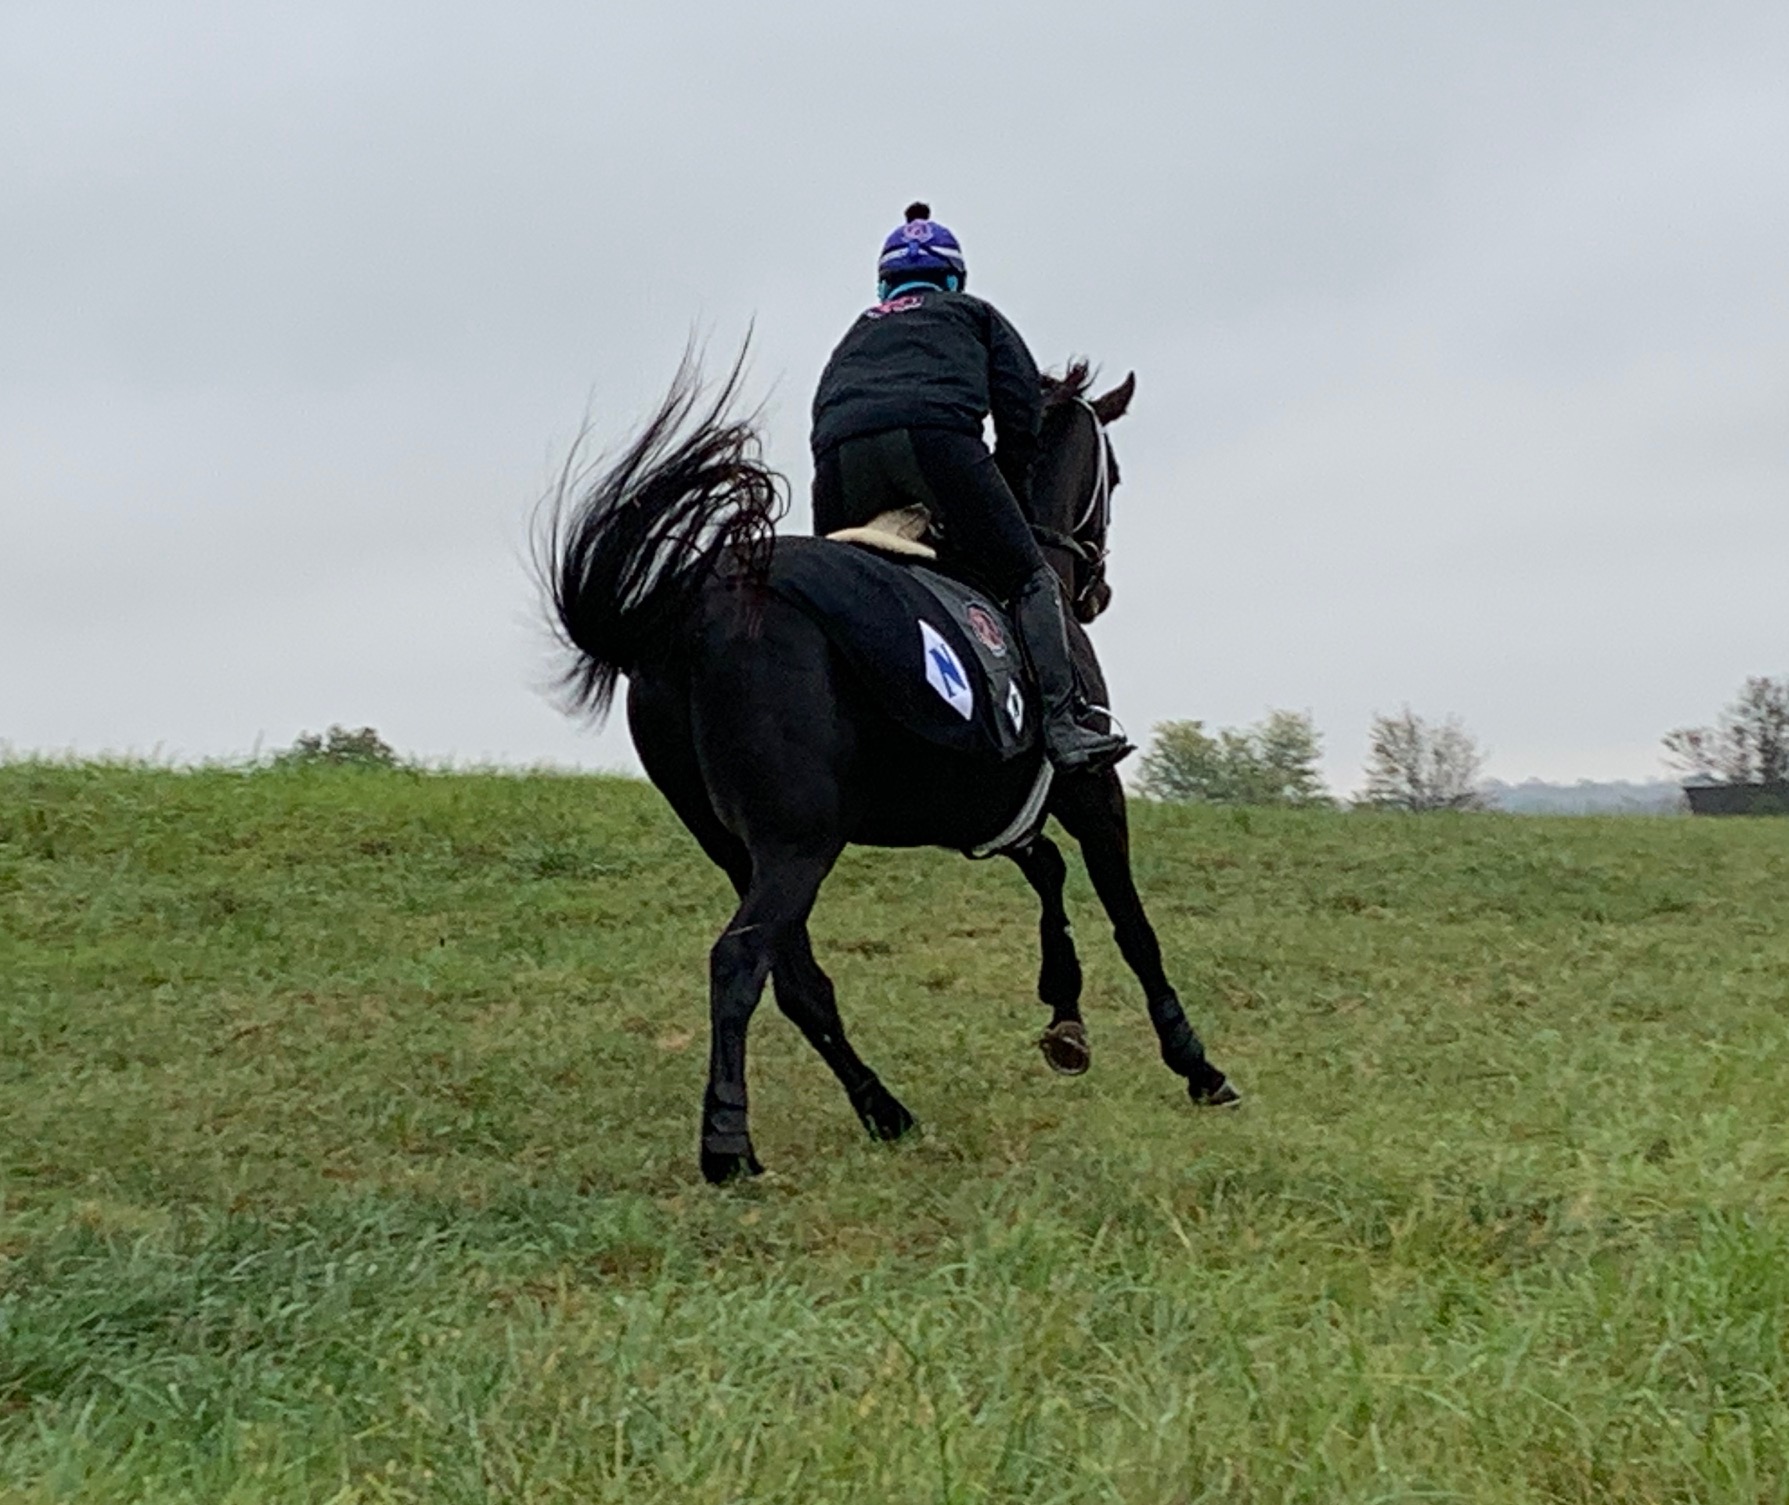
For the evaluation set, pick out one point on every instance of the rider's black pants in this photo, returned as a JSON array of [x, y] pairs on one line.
[[980, 525]]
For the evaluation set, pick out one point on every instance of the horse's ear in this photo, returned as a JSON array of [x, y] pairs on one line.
[[1112, 406]]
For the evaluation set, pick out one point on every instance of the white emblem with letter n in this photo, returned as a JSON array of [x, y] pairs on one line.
[[944, 671]]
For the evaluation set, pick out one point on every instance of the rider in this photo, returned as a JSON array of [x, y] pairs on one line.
[[898, 422]]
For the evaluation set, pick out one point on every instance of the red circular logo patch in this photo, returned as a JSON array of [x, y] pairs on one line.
[[983, 625]]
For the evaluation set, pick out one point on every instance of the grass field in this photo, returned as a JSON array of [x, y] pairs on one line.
[[347, 1152]]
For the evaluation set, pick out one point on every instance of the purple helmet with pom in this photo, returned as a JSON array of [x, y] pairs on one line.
[[922, 247]]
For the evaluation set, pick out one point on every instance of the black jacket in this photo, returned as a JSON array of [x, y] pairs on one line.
[[932, 359]]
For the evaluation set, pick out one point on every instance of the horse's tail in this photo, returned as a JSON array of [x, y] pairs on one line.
[[623, 550]]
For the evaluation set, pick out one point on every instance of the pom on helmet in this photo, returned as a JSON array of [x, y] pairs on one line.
[[921, 246]]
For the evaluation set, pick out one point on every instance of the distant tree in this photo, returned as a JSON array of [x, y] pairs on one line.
[[1271, 763], [1421, 765], [1750, 745], [361, 748]]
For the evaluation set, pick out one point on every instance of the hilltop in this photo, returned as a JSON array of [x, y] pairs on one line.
[[347, 1130]]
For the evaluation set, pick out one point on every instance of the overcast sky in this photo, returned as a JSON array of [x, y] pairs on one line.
[[1461, 334]]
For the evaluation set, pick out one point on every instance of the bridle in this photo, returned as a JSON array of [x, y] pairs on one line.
[[1085, 541]]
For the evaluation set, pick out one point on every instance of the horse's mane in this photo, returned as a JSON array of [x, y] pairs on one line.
[[1072, 384]]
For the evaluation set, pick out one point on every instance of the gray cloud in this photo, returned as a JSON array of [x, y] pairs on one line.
[[1461, 342]]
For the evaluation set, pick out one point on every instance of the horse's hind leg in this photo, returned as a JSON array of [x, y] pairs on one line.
[[765, 926], [1091, 809], [804, 993], [659, 714], [805, 997], [1064, 1041]]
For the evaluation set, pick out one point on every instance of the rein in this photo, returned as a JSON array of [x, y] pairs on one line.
[[1091, 548]]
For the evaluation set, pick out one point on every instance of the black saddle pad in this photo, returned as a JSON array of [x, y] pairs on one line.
[[939, 656]]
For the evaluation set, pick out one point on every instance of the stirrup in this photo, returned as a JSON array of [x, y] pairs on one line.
[[1091, 757], [1108, 749], [1088, 750], [1113, 724]]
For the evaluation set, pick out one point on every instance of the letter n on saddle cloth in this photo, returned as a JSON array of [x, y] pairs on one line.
[[936, 654]]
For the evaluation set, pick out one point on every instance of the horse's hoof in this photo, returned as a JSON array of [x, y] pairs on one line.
[[1065, 1047], [1219, 1094], [720, 1167], [889, 1120]]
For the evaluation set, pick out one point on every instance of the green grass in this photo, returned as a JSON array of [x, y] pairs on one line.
[[347, 1152]]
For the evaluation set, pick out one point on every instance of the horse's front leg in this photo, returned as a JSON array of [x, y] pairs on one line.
[[1064, 1041], [1091, 809]]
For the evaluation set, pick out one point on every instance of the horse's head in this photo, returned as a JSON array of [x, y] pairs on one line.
[[1072, 484]]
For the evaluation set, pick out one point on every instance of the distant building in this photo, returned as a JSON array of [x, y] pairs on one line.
[[1738, 799]]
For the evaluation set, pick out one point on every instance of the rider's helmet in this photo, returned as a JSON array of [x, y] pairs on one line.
[[921, 250]]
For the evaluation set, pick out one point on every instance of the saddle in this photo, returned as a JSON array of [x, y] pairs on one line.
[[903, 532]]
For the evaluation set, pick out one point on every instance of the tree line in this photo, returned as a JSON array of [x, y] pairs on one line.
[[1412, 764], [1419, 764]]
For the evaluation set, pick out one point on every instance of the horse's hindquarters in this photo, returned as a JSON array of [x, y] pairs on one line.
[[770, 736]]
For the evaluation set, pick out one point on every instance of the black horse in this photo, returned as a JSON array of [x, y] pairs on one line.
[[775, 758]]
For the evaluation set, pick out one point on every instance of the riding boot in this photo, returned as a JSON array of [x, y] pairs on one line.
[[1071, 740]]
